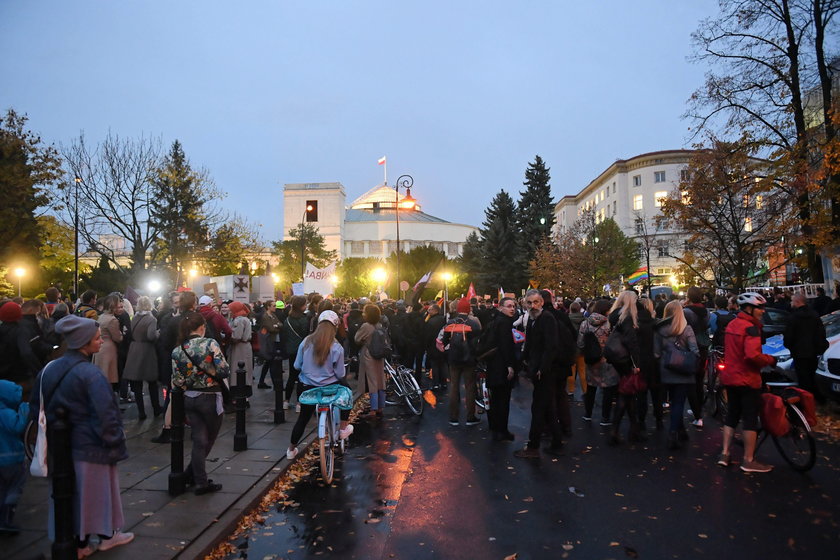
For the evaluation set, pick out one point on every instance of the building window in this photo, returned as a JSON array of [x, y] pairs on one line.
[[614, 207], [637, 180], [453, 249], [375, 247], [613, 187], [683, 174], [608, 191], [662, 250], [659, 197], [658, 176], [637, 202], [663, 271], [640, 227], [759, 202], [357, 247], [748, 225], [311, 210]]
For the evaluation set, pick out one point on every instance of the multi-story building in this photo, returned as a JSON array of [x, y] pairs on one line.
[[630, 192]]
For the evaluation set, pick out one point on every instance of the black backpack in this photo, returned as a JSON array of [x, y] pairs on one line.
[[720, 332], [379, 346], [487, 343], [592, 352], [461, 349]]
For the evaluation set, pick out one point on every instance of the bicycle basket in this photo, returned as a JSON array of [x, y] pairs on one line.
[[339, 395]]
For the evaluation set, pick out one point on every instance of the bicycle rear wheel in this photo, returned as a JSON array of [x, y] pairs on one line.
[[482, 400], [393, 389], [412, 394], [328, 451], [798, 446]]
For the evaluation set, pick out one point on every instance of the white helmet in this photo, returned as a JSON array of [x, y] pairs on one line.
[[330, 316], [751, 298]]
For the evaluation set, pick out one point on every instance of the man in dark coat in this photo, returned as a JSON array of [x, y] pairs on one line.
[[501, 367], [821, 303], [539, 353], [435, 359], [563, 359], [806, 340]]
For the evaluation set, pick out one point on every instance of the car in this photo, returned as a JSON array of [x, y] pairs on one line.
[[828, 366], [774, 321]]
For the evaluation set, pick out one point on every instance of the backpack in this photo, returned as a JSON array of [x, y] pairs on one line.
[[461, 350], [379, 346], [701, 332], [567, 347], [722, 322], [592, 352], [487, 343]]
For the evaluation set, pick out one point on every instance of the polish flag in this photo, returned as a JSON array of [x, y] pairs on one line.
[[381, 160]]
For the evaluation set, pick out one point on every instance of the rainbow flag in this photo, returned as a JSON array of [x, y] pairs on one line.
[[640, 274]]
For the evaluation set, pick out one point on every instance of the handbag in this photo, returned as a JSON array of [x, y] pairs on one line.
[[632, 383], [614, 350], [39, 466], [680, 361]]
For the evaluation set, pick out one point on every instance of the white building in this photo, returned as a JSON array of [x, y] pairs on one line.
[[631, 189], [368, 227]]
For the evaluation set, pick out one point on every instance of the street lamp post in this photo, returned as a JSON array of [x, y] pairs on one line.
[[303, 242], [446, 278], [76, 242], [405, 182], [20, 272]]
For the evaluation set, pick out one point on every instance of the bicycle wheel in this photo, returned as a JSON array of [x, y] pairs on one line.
[[393, 389], [413, 395], [481, 402], [798, 446], [328, 450]]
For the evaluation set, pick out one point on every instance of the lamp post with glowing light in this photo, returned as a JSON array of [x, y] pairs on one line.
[[76, 240], [447, 276], [405, 182], [379, 276], [20, 272], [306, 210]]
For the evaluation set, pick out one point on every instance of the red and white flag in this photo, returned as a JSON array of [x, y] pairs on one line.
[[381, 160], [471, 292]]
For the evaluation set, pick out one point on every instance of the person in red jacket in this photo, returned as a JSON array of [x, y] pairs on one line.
[[742, 379], [217, 327]]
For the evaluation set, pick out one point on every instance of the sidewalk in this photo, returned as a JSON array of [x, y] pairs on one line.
[[185, 526]]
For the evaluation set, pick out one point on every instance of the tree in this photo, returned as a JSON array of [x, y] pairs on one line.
[[471, 261], [500, 246], [232, 239], [733, 212], [27, 169], [765, 53], [57, 254], [306, 241], [535, 215], [103, 278], [180, 210], [585, 258], [115, 194], [354, 276], [414, 264]]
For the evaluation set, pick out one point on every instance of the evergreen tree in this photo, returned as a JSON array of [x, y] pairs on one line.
[[499, 246], [535, 216], [304, 239], [26, 168], [471, 260], [177, 209]]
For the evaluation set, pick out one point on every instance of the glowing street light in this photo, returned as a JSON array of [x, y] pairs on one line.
[[154, 286], [275, 277], [20, 272], [379, 275], [447, 277], [193, 272]]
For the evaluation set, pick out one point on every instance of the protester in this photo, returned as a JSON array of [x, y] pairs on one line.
[[14, 414], [624, 318], [599, 373], [806, 339], [97, 438], [460, 335], [239, 348], [106, 358], [501, 367], [371, 370], [141, 365], [698, 318], [295, 329]]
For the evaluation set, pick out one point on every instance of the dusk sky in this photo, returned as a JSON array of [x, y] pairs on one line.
[[461, 95]]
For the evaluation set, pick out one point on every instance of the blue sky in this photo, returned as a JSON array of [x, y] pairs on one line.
[[461, 95]]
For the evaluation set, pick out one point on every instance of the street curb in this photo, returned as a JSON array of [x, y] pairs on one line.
[[214, 534]]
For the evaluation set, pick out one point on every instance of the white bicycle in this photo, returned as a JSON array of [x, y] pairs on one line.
[[328, 401]]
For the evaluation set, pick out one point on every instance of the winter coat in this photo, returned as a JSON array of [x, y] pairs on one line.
[[698, 319], [219, 324], [96, 434], [685, 340], [601, 374], [370, 369], [742, 349], [240, 349], [645, 339], [295, 329], [628, 333], [106, 358], [431, 329], [141, 364], [207, 353], [805, 334], [269, 333], [505, 355], [14, 415], [540, 344]]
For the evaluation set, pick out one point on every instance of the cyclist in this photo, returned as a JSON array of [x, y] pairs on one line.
[[320, 359], [742, 379]]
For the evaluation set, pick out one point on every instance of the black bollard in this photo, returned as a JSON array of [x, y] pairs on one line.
[[276, 369], [177, 476], [63, 486], [240, 394]]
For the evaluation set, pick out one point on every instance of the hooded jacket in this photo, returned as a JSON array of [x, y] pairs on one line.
[[13, 417]]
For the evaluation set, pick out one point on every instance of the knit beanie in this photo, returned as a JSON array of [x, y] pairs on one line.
[[10, 312], [77, 331], [464, 306], [237, 309]]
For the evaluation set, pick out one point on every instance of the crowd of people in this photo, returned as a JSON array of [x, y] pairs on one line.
[[98, 356]]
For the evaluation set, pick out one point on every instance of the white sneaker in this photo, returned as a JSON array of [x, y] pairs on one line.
[[345, 433], [698, 423], [297, 407], [291, 453], [118, 539], [285, 405]]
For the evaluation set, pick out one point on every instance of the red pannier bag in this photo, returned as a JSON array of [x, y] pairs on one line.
[[773, 418], [807, 405]]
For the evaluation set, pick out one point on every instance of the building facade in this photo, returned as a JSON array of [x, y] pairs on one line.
[[630, 192], [368, 226]]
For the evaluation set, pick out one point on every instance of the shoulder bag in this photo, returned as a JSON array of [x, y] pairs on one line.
[[39, 466], [226, 396]]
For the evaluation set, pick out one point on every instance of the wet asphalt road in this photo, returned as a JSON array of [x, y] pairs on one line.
[[413, 487]]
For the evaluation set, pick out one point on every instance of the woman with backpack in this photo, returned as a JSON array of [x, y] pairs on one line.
[[592, 337], [295, 329], [624, 319], [672, 331], [371, 370]]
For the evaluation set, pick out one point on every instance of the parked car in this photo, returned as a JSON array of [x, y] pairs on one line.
[[828, 367], [774, 321]]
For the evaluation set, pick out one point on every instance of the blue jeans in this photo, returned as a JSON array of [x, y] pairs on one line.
[[679, 392], [205, 424]]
